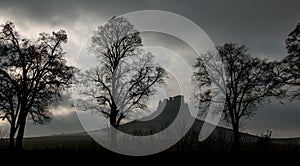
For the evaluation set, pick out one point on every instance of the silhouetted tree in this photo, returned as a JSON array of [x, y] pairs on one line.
[[8, 106], [289, 68], [125, 75], [33, 75], [248, 82]]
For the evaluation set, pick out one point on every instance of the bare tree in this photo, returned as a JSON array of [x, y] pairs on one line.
[[288, 70], [8, 106], [248, 82], [125, 75], [33, 75]]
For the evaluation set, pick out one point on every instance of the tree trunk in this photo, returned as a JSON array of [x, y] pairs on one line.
[[236, 137], [19, 140], [113, 124], [12, 136], [113, 119]]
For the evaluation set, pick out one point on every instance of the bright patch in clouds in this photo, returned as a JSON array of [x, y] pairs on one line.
[[62, 111]]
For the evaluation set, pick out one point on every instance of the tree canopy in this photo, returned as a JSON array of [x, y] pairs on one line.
[[249, 81], [33, 75], [125, 76]]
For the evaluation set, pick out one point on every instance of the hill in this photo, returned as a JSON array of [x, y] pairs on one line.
[[167, 111]]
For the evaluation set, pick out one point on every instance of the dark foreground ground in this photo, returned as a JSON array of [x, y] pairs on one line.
[[71, 150], [45, 157]]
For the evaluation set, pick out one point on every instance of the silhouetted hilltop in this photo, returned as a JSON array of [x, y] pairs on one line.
[[165, 114]]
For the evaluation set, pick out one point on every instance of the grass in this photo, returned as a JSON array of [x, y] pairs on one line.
[[74, 149]]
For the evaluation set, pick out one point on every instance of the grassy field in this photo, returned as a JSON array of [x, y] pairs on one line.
[[81, 148]]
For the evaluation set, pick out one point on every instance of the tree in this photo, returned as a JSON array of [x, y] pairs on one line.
[[33, 75], [288, 70], [125, 75], [248, 82], [8, 106]]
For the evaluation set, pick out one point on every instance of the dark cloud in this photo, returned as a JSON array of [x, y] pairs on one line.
[[262, 25]]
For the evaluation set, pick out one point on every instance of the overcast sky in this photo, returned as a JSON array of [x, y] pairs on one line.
[[261, 25]]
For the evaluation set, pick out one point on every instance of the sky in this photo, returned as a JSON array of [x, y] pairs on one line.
[[261, 25]]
